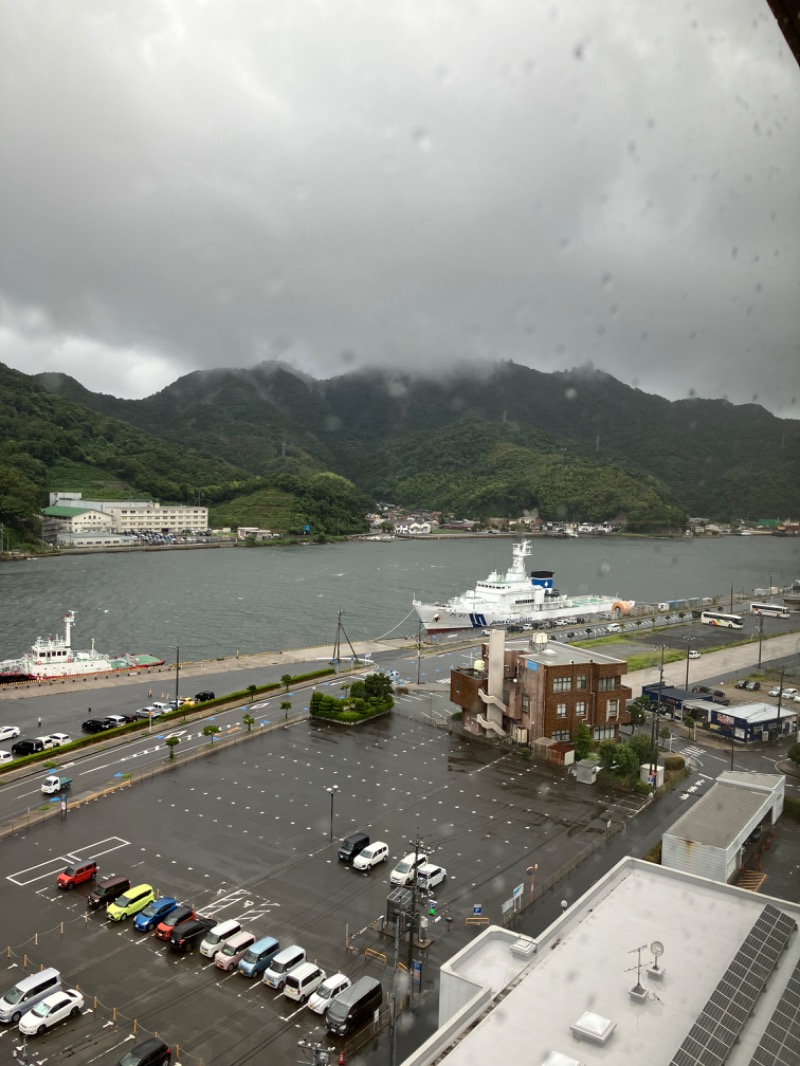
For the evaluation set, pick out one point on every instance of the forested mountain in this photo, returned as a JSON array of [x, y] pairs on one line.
[[477, 442], [706, 457]]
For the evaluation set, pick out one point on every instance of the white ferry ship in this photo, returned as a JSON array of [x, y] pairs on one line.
[[514, 598], [54, 657]]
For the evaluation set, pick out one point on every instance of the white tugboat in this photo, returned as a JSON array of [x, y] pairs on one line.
[[514, 598], [54, 657]]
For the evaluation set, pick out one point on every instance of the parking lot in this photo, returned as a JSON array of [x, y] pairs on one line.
[[246, 833]]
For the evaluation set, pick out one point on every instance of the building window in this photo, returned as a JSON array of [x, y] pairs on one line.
[[562, 684], [561, 710], [580, 708], [580, 681], [605, 732], [526, 702], [560, 734], [607, 684], [612, 709]]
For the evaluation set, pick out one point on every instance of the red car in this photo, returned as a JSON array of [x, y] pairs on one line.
[[180, 914], [77, 874]]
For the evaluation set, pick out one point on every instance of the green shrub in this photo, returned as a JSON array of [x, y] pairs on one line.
[[673, 762]]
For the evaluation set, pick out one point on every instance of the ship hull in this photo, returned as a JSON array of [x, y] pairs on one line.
[[439, 618]]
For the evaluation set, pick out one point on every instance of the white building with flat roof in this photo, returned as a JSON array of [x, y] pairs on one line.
[[651, 967], [125, 516]]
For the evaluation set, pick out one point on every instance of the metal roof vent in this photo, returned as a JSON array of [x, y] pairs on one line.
[[593, 1027], [538, 639]]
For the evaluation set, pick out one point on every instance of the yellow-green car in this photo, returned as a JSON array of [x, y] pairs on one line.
[[134, 900]]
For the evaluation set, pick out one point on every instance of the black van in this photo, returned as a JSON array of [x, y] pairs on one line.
[[105, 891], [355, 1006], [352, 846]]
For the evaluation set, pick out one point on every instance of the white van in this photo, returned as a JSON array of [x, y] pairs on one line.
[[215, 941], [430, 875], [405, 873], [302, 981], [27, 992], [371, 856], [276, 973]]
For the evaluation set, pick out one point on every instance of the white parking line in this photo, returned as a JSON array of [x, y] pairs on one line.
[[45, 870]]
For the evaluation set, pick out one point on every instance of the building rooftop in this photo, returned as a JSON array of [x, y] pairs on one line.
[[554, 653], [759, 712], [717, 818], [571, 1001]]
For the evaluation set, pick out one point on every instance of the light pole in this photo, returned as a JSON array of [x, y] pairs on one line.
[[760, 637], [332, 789], [654, 725], [419, 646], [688, 656], [531, 872], [177, 675]]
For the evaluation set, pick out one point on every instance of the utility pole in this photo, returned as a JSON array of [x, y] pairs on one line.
[[177, 675], [419, 646], [654, 726], [413, 922], [760, 637], [780, 700]]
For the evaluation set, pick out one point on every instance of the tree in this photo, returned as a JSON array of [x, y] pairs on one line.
[[172, 743], [584, 742], [286, 706], [249, 721], [638, 708], [286, 680], [210, 731], [252, 689], [642, 746], [794, 754]]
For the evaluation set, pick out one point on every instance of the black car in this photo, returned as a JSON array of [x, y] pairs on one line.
[[741, 684], [152, 1052], [96, 725], [27, 747], [753, 686], [185, 935], [203, 697], [701, 688]]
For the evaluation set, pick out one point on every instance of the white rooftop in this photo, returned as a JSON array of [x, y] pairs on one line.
[[585, 964]]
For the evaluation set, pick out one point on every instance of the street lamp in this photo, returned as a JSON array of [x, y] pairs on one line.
[[688, 656], [419, 646], [332, 789]]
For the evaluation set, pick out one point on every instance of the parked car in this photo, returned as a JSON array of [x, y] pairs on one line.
[[701, 688], [694, 654], [772, 692], [117, 720], [373, 854], [232, 952], [67, 1003], [156, 911], [27, 747], [8, 732], [107, 890], [203, 697], [149, 712], [741, 684], [152, 1052], [77, 873], [405, 873], [430, 875], [58, 739], [6, 756], [97, 725], [789, 693], [179, 914], [186, 935], [133, 901], [330, 987], [753, 686], [47, 742]]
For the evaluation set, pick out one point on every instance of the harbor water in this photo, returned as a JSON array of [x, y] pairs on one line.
[[215, 603]]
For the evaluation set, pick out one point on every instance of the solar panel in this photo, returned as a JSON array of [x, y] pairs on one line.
[[719, 1023], [780, 1044]]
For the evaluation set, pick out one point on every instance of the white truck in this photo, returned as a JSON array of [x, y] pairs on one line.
[[53, 784]]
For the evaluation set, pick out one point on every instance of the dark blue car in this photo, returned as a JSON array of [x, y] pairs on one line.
[[154, 913]]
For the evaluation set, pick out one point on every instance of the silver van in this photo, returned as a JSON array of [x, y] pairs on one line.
[[215, 940], [277, 971], [27, 993], [303, 980]]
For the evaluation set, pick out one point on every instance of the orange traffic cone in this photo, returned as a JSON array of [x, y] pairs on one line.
[[341, 1057]]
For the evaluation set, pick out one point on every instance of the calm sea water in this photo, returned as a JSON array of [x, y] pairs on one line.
[[215, 603]]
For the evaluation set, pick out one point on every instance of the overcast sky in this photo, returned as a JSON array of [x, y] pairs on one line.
[[402, 183]]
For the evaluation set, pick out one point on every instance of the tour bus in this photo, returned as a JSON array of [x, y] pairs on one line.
[[773, 610], [720, 618]]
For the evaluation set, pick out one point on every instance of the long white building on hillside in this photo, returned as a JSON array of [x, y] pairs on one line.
[[70, 518]]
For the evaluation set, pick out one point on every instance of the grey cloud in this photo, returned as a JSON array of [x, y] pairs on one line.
[[418, 184]]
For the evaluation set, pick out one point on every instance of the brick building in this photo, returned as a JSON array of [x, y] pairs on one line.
[[544, 690]]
